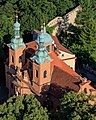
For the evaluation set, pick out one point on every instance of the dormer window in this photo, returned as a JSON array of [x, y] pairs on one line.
[[45, 74]]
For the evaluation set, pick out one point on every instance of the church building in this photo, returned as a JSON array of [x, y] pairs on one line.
[[41, 66]]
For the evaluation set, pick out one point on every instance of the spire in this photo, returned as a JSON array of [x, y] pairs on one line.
[[17, 41], [44, 28], [17, 27], [16, 17]]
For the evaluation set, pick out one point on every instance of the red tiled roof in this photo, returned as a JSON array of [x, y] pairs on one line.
[[59, 63], [31, 48], [64, 79], [32, 45], [59, 46]]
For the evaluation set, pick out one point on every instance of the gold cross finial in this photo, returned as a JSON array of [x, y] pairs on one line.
[[44, 23], [17, 15]]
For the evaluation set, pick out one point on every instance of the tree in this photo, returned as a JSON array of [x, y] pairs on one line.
[[23, 108], [88, 35], [63, 6], [88, 11], [76, 107], [32, 13]]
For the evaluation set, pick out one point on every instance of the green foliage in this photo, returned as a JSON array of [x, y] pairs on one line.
[[88, 35], [82, 54], [81, 41], [76, 107], [63, 6], [23, 108], [88, 11], [31, 14]]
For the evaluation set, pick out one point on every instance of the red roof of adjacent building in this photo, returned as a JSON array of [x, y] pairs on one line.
[[32, 45], [59, 46], [59, 63], [62, 75]]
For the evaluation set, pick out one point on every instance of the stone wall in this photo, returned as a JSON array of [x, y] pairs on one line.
[[71, 17]]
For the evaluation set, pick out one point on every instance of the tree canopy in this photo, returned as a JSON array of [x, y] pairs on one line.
[[32, 13], [76, 107], [88, 35], [88, 11], [23, 108]]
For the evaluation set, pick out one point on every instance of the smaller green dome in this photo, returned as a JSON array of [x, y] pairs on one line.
[[16, 26], [47, 38]]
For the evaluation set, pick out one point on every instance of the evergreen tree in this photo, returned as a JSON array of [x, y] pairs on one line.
[[32, 13], [88, 35], [88, 11], [63, 6]]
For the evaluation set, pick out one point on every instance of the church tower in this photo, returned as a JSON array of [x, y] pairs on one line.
[[16, 59], [41, 67], [16, 48]]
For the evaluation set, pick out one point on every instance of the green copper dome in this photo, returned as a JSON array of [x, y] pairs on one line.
[[17, 41], [17, 26], [47, 38], [41, 55]]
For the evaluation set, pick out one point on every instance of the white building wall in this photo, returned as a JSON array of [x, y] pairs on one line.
[[68, 58]]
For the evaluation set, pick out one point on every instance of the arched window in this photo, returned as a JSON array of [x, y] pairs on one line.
[[12, 59], [45, 74], [85, 90], [36, 73]]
